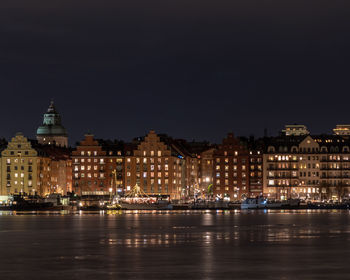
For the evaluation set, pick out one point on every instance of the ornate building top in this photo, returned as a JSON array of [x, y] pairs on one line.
[[52, 132], [52, 125]]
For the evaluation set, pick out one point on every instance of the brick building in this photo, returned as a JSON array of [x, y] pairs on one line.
[[156, 166], [231, 169]]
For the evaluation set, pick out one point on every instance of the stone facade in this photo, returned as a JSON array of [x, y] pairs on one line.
[[19, 167]]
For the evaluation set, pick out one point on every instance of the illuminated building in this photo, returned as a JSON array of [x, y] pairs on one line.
[[18, 167], [94, 165], [54, 173], [307, 167], [156, 166], [295, 130], [51, 132], [342, 129], [206, 170], [231, 169]]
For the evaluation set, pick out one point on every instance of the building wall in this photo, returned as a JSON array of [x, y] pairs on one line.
[[154, 169], [93, 168], [255, 173], [18, 167], [61, 141], [44, 176], [89, 168], [206, 170], [231, 169], [316, 168]]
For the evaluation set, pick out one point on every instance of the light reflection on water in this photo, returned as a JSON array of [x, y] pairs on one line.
[[175, 244]]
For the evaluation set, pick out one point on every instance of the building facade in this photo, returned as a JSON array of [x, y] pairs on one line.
[[156, 167], [231, 169], [307, 167], [19, 167], [54, 170], [97, 167]]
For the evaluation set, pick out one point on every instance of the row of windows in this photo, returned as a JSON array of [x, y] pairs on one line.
[[243, 167], [8, 184], [152, 181], [227, 188], [226, 181], [323, 149], [16, 160], [152, 174], [175, 181], [95, 153], [151, 153], [227, 175], [25, 152], [89, 175], [101, 160]]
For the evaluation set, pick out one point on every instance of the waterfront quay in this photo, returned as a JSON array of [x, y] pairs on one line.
[[295, 165]]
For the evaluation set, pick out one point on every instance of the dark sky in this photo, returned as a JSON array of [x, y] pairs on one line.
[[189, 68]]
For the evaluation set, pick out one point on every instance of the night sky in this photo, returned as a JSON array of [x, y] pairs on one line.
[[193, 69]]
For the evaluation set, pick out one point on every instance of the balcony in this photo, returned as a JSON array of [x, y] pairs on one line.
[[283, 186], [281, 168], [281, 161], [335, 177], [282, 177]]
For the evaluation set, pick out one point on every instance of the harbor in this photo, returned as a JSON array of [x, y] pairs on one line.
[[144, 202]]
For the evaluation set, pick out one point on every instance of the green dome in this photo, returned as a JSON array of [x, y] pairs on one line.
[[51, 124], [51, 130]]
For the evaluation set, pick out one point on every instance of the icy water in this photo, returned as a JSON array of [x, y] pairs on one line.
[[176, 245]]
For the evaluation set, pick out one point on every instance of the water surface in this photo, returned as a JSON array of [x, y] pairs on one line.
[[304, 244]]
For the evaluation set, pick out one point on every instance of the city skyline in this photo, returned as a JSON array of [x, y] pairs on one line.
[[74, 137], [194, 71]]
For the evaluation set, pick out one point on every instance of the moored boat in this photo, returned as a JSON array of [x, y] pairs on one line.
[[137, 199], [264, 203]]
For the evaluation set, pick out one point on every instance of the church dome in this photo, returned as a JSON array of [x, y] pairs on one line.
[[51, 124]]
